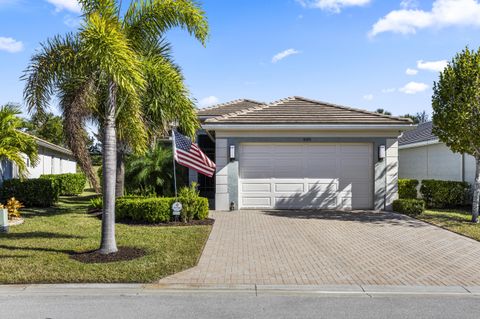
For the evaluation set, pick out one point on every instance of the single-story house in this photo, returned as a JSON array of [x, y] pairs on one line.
[[298, 153], [52, 159], [423, 156]]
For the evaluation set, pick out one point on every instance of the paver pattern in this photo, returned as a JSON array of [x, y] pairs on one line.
[[331, 248]]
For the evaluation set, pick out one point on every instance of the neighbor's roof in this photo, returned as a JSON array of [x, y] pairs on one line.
[[423, 133], [299, 110], [51, 146], [226, 108]]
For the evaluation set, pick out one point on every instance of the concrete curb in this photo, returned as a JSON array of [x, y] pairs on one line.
[[149, 289]]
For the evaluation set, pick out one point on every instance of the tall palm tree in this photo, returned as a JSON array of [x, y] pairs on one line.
[[14, 144], [103, 73]]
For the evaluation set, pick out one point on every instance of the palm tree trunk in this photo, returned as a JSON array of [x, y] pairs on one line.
[[108, 243], [120, 179], [476, 191]]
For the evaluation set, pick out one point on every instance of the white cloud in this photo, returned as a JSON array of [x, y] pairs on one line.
[[413, 88], [208, 101], [10, 45], [409, 4], [332, 5], [388, 90], [368, 97], [435, 66], [68, 5], [7, 2], [411, 71], [72, 22], [282, 55], [444, 13]]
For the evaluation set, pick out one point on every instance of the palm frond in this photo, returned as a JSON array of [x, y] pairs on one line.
[[151, 18]]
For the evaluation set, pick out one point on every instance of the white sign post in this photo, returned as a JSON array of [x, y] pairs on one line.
[[3, 220], [176, 208]]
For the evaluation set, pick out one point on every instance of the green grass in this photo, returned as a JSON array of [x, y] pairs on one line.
[[455, 220], [38, 251]]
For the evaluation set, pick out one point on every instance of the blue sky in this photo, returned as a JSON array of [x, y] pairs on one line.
[[351, 52]]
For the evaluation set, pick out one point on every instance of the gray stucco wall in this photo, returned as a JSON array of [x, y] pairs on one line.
[[385, 178]]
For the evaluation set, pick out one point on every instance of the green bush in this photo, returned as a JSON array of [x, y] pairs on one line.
[[149, 210], [442, 194], [69, 184], [407, 188], [37, 192], [193, 207], [410, 207], [158, 209], [96, 203]]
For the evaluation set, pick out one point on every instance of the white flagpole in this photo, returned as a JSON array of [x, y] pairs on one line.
[[174, 168]]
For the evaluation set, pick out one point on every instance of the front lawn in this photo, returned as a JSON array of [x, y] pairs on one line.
[[39, 250], [456, 220]]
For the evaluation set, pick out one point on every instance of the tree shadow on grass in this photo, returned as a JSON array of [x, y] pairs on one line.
[[42, 249], [37, 234], [13, 256]]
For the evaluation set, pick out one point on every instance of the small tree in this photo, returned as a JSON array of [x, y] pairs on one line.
[[456, 111], [14, 144]]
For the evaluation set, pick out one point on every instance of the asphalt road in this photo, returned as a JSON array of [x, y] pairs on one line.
[[237, 305]]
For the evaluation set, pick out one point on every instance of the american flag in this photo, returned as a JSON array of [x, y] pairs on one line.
[[189, 154]]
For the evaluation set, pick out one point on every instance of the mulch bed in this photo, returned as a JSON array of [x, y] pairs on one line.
[[207, 221], [123, 254]]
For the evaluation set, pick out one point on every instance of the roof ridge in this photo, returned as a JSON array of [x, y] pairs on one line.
[[236, 113], [350, 108], [215, 106]]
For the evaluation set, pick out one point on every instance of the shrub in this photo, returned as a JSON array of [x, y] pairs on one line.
[[158, 209], [150, 210], [407, 188], [37, 192], [193, 207], [410, 207], [13, 206], [69, 184], [442, 194], [96, 202]]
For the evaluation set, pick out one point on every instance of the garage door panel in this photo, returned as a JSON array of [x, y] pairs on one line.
[[326, 186], [306, 202], [354, 149], [256, 187], [289, 187], [256, 202], [326, 176]]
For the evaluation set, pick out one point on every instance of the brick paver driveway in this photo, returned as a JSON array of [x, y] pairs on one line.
[[331, 248]]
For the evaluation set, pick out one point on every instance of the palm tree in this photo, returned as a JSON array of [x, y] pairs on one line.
[[102, 73], [14, 144], [151, 173]]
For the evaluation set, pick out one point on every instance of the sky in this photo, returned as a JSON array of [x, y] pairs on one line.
[[362, 53]]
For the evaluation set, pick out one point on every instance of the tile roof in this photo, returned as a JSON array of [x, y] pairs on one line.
[[229, 107], [422, 133], [299, 110]]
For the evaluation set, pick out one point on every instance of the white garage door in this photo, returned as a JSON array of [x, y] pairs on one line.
[[301, 176]]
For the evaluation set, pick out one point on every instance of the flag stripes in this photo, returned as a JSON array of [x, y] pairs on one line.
[[189, 154]]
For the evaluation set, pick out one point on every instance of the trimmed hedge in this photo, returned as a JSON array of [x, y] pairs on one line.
[[407, 188], [443, 194], [36, 192], [410, 207], [155, 209], [69, 184]]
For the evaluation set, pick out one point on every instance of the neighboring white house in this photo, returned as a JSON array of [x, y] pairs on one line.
[[423, 156], [53, 159], [299, 153]]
